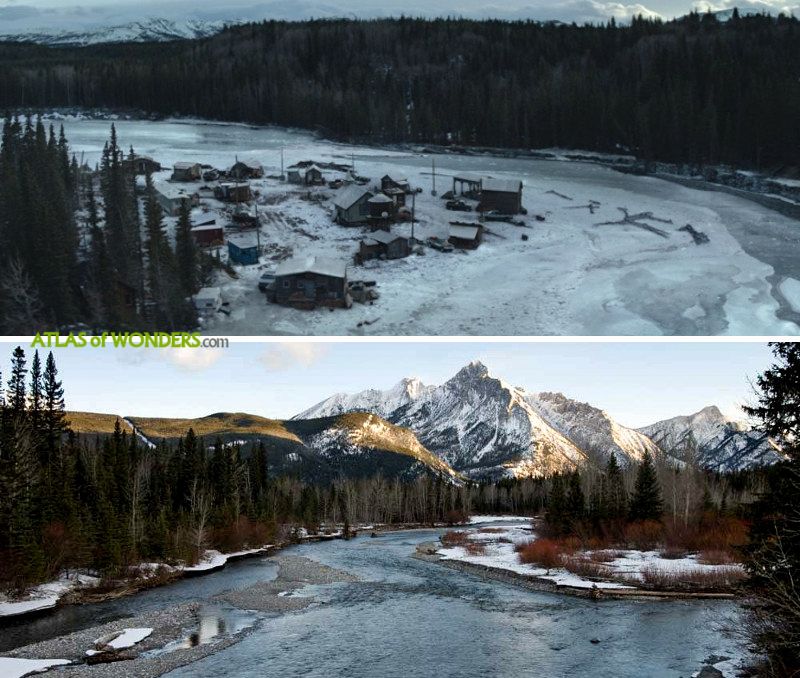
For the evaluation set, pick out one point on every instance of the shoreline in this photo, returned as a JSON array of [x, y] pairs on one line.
[[534, 583]]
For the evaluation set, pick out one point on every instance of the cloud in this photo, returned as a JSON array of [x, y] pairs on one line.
[[748, 6], [286, 355], [18, 13], [193, 359]]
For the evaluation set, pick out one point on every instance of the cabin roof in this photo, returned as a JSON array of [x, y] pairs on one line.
[[349, 196], [335, 268], [464, 232], [383, 237], [380, 198], [501, 185]]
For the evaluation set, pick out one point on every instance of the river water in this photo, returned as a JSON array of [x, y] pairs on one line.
[[410, 618]]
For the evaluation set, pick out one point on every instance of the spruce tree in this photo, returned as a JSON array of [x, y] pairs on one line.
[[646, 503], [615, 496], [186, 251]]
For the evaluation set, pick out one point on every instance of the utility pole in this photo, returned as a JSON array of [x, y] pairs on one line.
[[433, 171], [353, 164], [283, 177]]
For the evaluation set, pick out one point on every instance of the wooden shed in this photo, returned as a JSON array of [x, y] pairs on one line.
[[352, 205], [466, 237], [243, 250], [396, 188], [233, 192], [310, 281], [208, 235], [186, 171], [142, 164], [501, 195], [383, 245], [247, 169]]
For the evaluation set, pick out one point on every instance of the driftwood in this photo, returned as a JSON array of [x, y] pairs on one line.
[[637, 220], [592, 206], [699, 237]]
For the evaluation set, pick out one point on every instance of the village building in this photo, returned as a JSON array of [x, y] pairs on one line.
[[186, 171], [233, 192], [243, 249], [246, 169], [382, 245], [468, 185], [382, 211], [466, 237], [307, 175], [310, 281], [171, 197], [208, 300], [352, 206], [396, 189], [142, 164], [501, 195], [208, 235]]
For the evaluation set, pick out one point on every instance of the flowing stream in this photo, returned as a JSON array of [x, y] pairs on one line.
[[411, 618]]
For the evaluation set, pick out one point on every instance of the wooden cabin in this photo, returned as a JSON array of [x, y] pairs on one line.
[[233, 192], [310, 281], [246, 169], [171, 197], [208, 235], [142, 164], [466, 237], [382, 245], [501, 195], [352, 206], [396, 188], [243, 250], [186, 171]]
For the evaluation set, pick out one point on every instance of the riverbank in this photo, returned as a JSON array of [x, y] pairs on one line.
[[427, 552], [180, 635]]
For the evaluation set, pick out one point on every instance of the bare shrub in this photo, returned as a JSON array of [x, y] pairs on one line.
[[673, 553], [475, 548], [605, 555], [644, 535], [585, 567], [545, 553], [715, 557], [454, 538], [707, 579]]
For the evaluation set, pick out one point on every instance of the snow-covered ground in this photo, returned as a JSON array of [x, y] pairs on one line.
[[500, 554], [214, 560], [481, 519], [45, 596], [13, 667], [120, 641], [572, 276]]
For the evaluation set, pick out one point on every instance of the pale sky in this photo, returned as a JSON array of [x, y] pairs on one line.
[[18, 16], [637, 383]]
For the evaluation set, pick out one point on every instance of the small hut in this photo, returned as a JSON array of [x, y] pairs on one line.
[[352, 206], [243, 250], [246, 169], [186, 171], [382, 211], [466, 237], [310, 281], [501, 195], [382, 245], [232, 192]]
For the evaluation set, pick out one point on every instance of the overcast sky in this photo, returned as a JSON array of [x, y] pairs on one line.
[[26, 15], [637, 383]]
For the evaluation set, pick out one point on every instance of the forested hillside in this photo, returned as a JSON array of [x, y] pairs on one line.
[[692, 90]]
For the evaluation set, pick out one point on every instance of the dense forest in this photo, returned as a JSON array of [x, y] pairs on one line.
[[80, 249], [693, 90]]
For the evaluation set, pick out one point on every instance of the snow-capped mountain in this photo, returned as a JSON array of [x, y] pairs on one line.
[[718, 442], [482, 426], [147, 30]]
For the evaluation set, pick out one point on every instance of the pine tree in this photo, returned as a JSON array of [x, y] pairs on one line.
[[646, 502], [186, 251], [773, 555], [615, 498], [16, 384], [576, 502]]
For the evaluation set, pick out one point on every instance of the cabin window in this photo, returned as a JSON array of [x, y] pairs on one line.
[[287, 284]]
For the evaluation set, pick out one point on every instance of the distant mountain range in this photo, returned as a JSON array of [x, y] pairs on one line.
[[175, 27], [484, 427], [474, 425]]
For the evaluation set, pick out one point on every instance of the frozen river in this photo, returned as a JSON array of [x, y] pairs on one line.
[[409, 618], [571, 276]]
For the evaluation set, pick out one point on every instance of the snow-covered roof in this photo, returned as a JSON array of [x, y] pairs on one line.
[[397, 180], [312, 168], [501, 185], [208, 293], [464, 232], [207, 227], [252, 164], [349, 196], [383, 237], [243, 240], [336, 268], [380, 198], [471, 178], [184, 165], [173, 191]]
